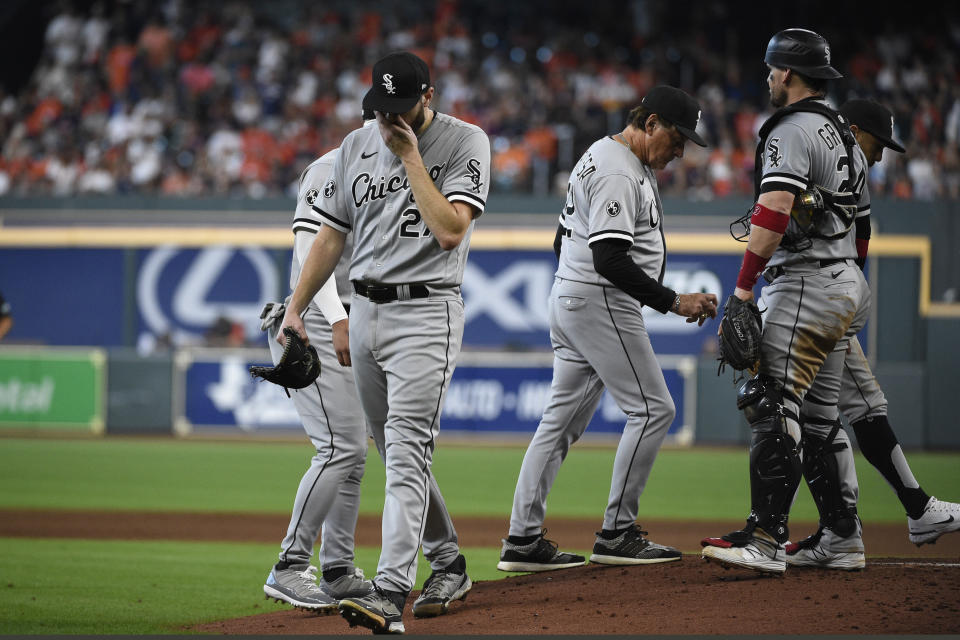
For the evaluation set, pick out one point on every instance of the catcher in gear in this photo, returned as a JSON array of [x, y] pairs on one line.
[[299, 365], [816, 298]]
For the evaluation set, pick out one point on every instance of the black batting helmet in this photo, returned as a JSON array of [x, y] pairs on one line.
[[803, 51]]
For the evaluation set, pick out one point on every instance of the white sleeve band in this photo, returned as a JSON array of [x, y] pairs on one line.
[[327, 298]]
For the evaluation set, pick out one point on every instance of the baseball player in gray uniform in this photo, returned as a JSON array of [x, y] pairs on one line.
[[409, 190], [328, 497], [816, 300], [612, 256], [865, 407]]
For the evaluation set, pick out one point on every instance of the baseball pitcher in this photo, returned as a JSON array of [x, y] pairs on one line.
[[409, 190]]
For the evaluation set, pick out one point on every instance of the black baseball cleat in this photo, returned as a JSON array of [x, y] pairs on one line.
[[630, 547], [539, 555], [380, 611], [443, 587]]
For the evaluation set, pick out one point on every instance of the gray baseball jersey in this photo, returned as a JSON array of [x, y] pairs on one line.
[[312, 180], [328, 497], [369, 195], [404, 352], [818, 298], [599, 339], [802, 151], [611, 195]]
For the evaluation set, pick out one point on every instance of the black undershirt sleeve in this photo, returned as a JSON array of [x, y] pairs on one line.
[[612, 261], [558, 240]]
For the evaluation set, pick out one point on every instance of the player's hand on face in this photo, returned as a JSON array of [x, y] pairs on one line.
[[295, 322], [399, 137], [341, 341]]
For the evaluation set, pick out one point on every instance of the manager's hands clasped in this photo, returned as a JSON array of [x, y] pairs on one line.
[[697, 307]]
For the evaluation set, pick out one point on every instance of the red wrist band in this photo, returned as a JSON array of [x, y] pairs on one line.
[[862, 247], [769, 219], [750, 269]]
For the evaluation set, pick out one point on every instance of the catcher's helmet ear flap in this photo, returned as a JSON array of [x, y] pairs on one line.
[[803, 51]]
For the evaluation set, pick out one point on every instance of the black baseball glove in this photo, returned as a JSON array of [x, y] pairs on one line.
[[299, 365], [740, 331]]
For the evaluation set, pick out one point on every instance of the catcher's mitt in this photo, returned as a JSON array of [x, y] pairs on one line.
[[741, 328], [299, 365]]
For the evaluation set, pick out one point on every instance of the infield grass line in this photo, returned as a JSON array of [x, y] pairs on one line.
[[175, 475]]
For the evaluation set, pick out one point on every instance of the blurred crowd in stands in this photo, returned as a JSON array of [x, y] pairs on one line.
[[235, 98]]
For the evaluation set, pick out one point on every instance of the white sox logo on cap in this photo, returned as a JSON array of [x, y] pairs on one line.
[[388, 83]]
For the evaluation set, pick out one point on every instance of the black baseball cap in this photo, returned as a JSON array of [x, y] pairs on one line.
[[874, 118], [399, 80], [676, 106]]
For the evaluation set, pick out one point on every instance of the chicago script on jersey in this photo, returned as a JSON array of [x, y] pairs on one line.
[[367, 188]]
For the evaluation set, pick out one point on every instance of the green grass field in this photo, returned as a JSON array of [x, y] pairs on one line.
[[97, 587], [167, 475]]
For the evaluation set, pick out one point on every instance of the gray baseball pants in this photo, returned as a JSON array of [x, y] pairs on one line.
[[404, 354], [599, 341]]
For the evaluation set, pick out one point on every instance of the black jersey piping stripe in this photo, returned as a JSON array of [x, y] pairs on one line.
[[300, 227], [782, 176], [646, 406], [430, 445], [609, 235], [313, 486], [333, 219], [306, 221], [467, 195], [793, 334]]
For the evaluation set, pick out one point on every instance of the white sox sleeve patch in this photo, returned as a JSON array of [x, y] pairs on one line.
[[613, 209], [468, 175], [330, 205], [786, 160]]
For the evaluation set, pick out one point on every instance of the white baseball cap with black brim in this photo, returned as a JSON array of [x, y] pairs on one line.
[[874, 118], [399, 79], [677, 107]]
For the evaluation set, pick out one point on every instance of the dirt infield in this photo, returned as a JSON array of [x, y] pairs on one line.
[[688, 597], [904, 589]]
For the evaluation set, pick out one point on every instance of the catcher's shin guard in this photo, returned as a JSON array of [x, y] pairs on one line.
[[775, 467], [822, 474]]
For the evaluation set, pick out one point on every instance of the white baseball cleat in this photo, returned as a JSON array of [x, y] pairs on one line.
[[761, 553], [938, 518], [826, 550]]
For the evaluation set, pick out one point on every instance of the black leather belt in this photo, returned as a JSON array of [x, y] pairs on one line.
[[827, 263], [773, 273], [381, 293]]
